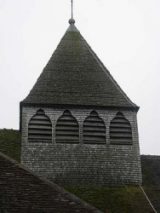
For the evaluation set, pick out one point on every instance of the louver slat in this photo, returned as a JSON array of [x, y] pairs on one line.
[[127, 125], [40, 128], [74, 133], [92, 124], [64, 138], [67, 123], [41, 117], [39, 132], [39, 138], [120, 130], [94, 134], [123, 135], [120, 121], [94, 119], [67, 118], [48, 127], [121, 141], [67, 129], [94, 130], [90, 138], [40, 122]]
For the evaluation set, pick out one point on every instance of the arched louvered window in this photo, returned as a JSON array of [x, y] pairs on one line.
[[94, 130], [120, 130], [67, 129], [40, 128]]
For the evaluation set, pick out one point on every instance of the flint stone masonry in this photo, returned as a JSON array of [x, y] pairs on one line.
[[82, 164]]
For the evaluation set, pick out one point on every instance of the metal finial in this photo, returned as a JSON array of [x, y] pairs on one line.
[[71, 21], [71, 9]]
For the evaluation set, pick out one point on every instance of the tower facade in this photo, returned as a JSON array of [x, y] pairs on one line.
[[77, 125]]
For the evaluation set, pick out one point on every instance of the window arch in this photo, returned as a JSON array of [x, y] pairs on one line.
[[67, 129], [94, 130], [120, 130], [40, 128]]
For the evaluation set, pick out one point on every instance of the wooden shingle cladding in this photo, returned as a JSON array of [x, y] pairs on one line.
[[94, 130], [40, 128], [120, 130], [67, 129], [83, 163]]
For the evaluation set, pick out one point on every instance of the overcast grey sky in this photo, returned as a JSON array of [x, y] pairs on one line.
[[125, 34]]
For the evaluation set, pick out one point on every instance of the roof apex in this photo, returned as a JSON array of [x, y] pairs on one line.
[[72, 28]]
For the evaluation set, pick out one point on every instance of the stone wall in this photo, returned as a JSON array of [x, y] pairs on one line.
[[82, 163]]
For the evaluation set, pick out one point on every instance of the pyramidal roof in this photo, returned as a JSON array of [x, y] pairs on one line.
[[75, 76]]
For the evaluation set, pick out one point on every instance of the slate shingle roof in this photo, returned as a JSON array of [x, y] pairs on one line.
[[74, 75], [22, 191]]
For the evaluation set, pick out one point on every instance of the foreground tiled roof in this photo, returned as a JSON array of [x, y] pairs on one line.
[[151, 178], [74, 75], [22, 191]]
